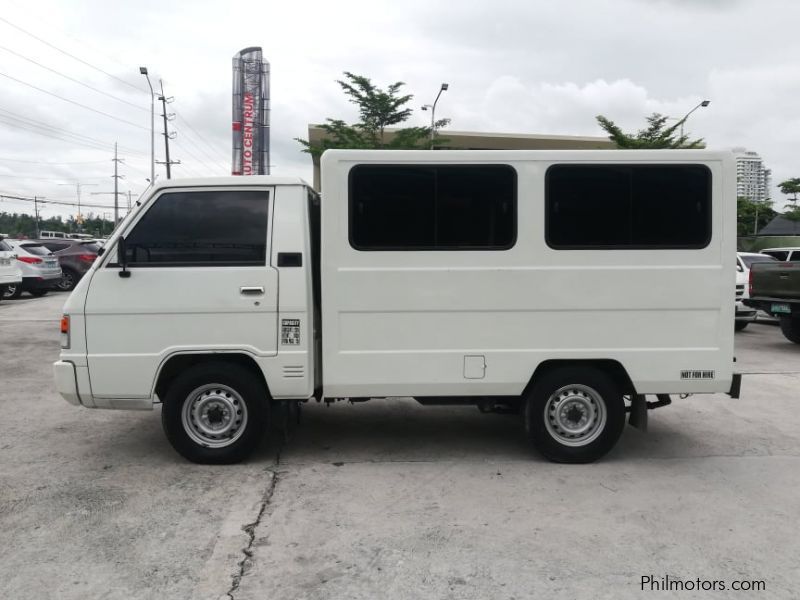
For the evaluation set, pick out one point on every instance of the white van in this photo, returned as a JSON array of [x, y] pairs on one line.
[[566, 285]]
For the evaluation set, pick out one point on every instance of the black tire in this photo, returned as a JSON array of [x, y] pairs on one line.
[[186, 388], [69, 279], [38, 293], [12, 292], [589, 391], [790, 327], [741, 325]]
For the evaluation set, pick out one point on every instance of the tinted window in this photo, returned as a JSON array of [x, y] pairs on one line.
[[778, 254], [795, 257], [36, 249], [432, 207], [202, 228], [54, 246], [90, 246], [628, 206], [749, 261]]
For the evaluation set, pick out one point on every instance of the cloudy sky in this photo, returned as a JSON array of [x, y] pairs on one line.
[[71, 85]]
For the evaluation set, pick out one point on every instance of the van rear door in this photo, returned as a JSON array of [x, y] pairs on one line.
[[200, 280]]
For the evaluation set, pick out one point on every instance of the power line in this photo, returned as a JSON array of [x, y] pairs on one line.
[[94, 110], [86, 85], [72, 56], [38, 125], [41, 201], [42, 162], [4, 176], [200, 137]]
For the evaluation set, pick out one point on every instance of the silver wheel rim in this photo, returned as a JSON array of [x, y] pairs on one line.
[[575, 415], [10, 290], [214, 415]]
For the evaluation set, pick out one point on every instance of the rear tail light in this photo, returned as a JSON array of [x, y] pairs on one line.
[[750, 283], [31, 260], [65, 332], [87, 257]]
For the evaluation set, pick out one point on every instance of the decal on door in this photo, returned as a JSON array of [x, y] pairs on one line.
[[697, 374], [290, 332]]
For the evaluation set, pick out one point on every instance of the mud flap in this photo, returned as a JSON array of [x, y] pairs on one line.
[[638, 411]]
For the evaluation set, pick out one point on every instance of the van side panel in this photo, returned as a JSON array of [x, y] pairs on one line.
[[408, 322]]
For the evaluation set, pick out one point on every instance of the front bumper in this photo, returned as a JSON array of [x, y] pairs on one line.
[[66, 381]]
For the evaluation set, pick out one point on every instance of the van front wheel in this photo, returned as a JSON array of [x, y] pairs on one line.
[[215, 413], [574, 414]]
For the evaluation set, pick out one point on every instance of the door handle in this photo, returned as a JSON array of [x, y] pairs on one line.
[[251, 291]]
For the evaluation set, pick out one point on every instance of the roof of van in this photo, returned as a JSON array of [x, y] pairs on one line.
[[256, 180]]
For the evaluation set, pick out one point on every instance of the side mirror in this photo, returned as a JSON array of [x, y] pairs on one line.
[[122, 257]]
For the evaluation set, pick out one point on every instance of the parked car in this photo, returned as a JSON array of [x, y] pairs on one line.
[[785, 254], [40, 270], [74, 256], [10, 273], [744, 260], [775, 288]]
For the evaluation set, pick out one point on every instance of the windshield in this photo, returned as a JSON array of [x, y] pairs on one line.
[[750, 260], [36, 249]]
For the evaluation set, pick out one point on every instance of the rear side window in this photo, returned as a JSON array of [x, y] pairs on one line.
[[627, 206], [781, 255], [433, 207], [202, 229]]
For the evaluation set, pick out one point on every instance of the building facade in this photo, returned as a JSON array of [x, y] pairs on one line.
[[752, 178]]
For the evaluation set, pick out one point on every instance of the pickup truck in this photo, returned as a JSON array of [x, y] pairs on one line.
[[775, 289]]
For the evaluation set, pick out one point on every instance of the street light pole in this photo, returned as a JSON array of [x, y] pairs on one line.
[[704, 103], [143, 71], [433, 111]]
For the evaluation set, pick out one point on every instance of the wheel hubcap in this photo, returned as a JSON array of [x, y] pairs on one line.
[[214, 415], [575, 415], [66, 281], [10, 291]]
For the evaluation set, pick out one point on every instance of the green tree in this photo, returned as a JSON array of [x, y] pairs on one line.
[[791, 186], [655, 135], [377, 110], [752, 216]]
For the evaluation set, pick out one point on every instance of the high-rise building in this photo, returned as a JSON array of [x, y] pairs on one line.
[[752, 179]]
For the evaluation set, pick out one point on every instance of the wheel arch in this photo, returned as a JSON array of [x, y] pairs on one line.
[[175, 364], [611, 367]]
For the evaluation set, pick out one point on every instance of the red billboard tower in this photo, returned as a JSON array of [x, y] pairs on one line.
[[250, 113]]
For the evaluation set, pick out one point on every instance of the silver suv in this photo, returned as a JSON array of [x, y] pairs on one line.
[[40, 269], [10, 273]]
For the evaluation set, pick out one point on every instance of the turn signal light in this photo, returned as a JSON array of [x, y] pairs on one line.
[[65, 331]]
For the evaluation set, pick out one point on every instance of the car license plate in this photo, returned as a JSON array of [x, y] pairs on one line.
[[782, 308]]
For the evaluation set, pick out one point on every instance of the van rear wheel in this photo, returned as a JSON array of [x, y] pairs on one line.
[[215, 413], [574, 414]]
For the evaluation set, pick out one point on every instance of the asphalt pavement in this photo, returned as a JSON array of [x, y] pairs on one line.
[[388, 499]]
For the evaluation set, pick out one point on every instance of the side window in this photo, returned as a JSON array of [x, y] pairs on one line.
[[214, 228], [781, 255], [433, 207], [795, 256], [627, 206]]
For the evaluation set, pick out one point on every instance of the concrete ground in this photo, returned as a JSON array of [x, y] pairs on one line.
[[392, 500]]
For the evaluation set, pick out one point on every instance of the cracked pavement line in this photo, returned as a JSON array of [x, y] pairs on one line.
[[245, 563]]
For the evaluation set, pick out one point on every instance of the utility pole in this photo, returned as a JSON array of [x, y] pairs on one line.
[[129, 201], [166, 134], [36, 213], [117, 177], [78, 185]]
